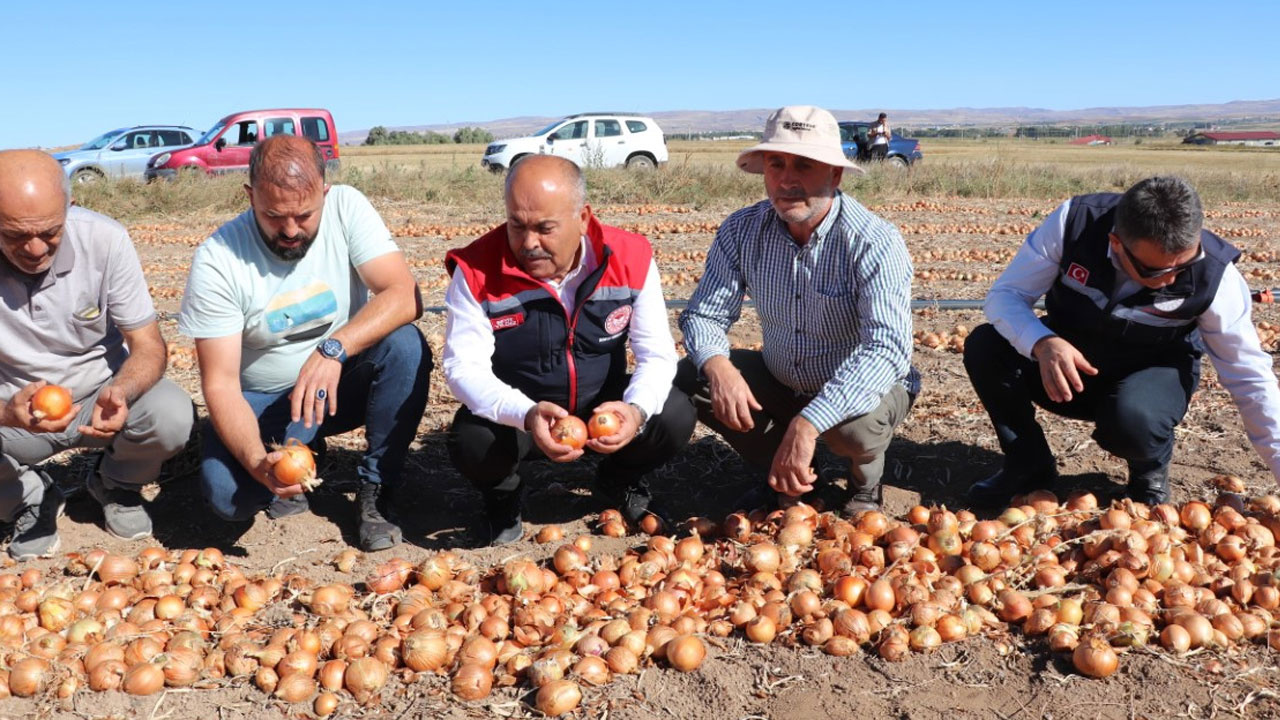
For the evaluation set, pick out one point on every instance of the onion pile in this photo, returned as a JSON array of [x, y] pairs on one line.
[[1093, 582]]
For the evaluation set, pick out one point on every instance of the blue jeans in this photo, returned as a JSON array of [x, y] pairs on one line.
[[383, 388]]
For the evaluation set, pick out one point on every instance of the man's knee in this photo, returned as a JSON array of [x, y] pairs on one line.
[[161, 419], [223, 494], [1135, 430], [483, 452], [405, 349], [982, 346]]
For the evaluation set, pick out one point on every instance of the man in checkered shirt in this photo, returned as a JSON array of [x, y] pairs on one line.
[[832, 286]]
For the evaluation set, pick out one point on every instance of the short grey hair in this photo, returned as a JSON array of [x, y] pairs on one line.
[[1165, 210], [572, 173]]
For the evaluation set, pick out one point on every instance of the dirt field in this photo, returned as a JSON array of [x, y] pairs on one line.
[[959, 246]]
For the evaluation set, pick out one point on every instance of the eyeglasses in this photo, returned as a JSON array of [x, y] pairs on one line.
[[1147, 272]]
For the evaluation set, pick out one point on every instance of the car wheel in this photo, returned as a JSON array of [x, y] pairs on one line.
[[640, 162], [496, 169], [898, 161], [517, 159], [87, 176]]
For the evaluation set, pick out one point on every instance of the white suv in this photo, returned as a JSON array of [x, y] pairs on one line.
[[590, 140]]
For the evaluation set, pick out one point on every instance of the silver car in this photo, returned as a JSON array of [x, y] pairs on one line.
[[123, 152]]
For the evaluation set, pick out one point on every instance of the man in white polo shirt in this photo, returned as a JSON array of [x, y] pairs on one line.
[[76, 313], [302, 310]]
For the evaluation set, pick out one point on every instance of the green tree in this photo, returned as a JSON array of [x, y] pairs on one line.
[[377, 136], [473, 135]]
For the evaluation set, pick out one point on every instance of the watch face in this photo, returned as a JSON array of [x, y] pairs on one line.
[[331, 348]]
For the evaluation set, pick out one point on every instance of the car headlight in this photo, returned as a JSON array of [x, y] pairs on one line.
[[160, 159], [494, 149], [64, 161]]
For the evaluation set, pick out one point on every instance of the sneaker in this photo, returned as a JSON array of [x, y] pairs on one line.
[[502, 513], [1150, 487], [122, 511], [863, 500], [376, 531], [997, 490], [288, 507], [35, 530]]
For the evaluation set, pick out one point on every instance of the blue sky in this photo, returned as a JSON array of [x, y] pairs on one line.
[[75, 69]]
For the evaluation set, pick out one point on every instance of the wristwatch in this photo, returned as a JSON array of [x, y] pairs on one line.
[[644, 417], [332, 349]]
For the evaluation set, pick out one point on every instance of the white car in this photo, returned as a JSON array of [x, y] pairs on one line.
[[595, 140]]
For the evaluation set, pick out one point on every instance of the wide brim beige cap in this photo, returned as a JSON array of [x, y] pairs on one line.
[[803, 130]]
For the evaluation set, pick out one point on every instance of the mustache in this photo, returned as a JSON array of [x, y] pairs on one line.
[[535, 254]]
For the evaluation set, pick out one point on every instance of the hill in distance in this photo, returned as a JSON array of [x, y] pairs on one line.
[[702, 121]]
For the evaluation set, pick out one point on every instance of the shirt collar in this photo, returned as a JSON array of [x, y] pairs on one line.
[[585, 260]]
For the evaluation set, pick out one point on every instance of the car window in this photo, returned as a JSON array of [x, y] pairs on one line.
[[134, 140], [847, 134], [608, 128], [315, 128], [169, 138], [636, 126], [278, 126], [572, 131], [242, 133]]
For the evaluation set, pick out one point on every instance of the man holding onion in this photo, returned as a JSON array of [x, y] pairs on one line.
[[832, 286], [302, 310], [1136, 291], [541, 313], [76, 314]]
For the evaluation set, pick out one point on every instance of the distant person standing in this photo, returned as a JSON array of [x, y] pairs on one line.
[[879, 135]]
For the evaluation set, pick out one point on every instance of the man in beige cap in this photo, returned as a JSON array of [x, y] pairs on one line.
[[832, 284], [76, 313]]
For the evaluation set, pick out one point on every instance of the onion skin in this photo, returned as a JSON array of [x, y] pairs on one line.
[[557, 698], [686, 653], [472, 682], [1095, 658]]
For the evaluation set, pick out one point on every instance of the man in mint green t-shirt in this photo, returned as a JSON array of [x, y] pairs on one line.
[[302, 311]]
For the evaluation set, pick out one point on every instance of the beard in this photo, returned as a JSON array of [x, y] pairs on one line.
[[276, 244]]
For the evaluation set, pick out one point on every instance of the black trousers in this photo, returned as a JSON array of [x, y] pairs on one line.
[[1134, 403], [489, 454]]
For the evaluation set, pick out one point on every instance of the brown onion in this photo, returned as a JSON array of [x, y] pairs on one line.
[[472, 682], [559, 697]]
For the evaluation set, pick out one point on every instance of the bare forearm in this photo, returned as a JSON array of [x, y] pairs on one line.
[[141, 370], [236, 425], [384, 312]]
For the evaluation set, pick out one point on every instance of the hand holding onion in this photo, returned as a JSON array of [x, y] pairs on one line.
[[612, 426], [295, 466], [40, 407], [559, 435]]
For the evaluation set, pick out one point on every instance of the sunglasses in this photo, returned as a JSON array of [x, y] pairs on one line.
[[1146, 272]]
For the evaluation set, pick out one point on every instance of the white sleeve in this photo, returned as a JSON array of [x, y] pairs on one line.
[[1244, 368], [468, 360], [1009, 304], [653, 346]]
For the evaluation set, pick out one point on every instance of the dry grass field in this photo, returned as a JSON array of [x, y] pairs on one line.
[[962, 212]]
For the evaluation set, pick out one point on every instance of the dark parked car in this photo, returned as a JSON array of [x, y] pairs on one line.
[[853, 138]]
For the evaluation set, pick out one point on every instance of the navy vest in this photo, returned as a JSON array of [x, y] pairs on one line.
[[1149, 325], [573, 361]]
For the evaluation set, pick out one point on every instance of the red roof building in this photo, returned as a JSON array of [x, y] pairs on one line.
[[1243, 137], [1092, 140]]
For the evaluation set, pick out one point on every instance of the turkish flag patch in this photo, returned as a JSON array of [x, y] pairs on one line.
[[507, 322], [1077, 272]]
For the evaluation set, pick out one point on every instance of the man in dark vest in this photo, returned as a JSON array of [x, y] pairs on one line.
[[541, 310], [1135, 291]]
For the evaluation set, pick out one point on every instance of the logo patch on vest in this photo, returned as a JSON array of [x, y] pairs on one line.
[[507, 321], [1168, 305], [618, 320], [1077, 272]]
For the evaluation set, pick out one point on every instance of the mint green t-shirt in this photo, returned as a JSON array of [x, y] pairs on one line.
[[282, 309]]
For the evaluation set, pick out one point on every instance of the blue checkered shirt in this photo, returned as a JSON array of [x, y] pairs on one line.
[[836, 312]]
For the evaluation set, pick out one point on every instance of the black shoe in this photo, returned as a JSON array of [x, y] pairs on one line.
[[288, 507], [1150, 487], [759, 497], [863, 500], [502, 513], [632, 498], [376, 531], [997, 490]]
